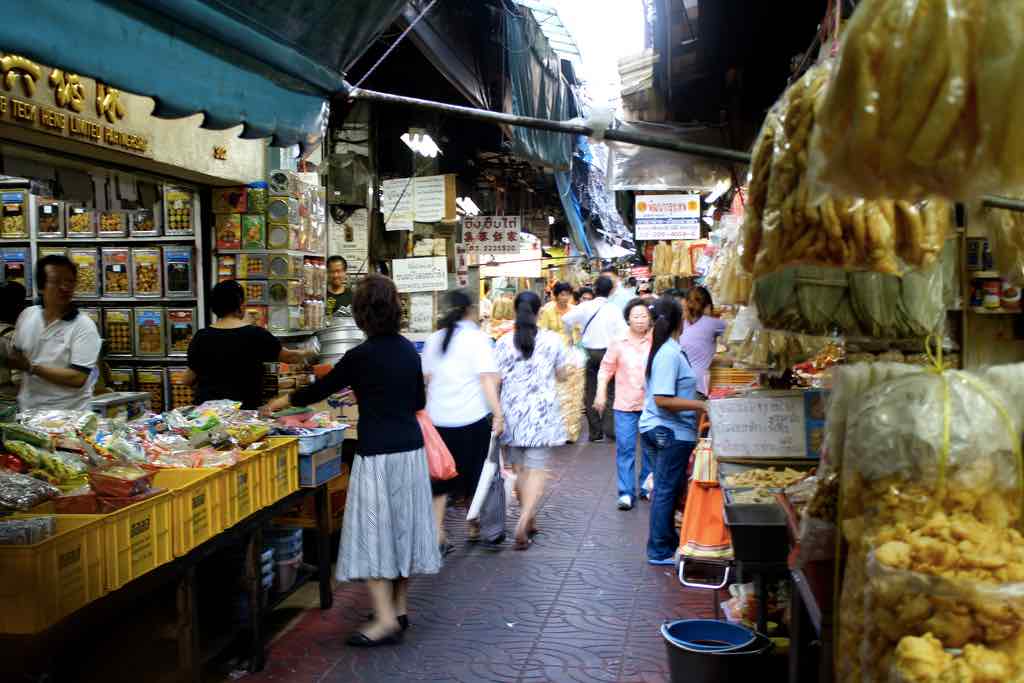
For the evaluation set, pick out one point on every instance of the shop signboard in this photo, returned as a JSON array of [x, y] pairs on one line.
[[769, 425], [491, 234], [667, 217], [428, 274], [39, 98]]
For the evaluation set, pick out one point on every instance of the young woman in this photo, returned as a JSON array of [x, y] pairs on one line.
[[462, 401], [626, 362], [700, 335], [388, 532], [225, 360], [668, 425], [530, 360]]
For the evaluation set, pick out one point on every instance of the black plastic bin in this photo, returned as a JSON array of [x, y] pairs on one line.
[[758, 532], [687, 665]]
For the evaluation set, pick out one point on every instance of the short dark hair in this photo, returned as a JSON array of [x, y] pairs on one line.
[[561, 287], [226, 298], [375, 306], [633, 303], [603, 286], [338, 259], [609, 269], [12, 301], [631, 282], [57, 260], [578, 295]]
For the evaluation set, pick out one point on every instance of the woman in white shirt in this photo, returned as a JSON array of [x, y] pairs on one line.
[[462, 402]]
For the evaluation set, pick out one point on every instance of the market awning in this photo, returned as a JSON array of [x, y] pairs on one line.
[[266, 64]]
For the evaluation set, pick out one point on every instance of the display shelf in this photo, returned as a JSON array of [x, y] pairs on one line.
[[15, 240], [992, 311], [169, 239], [135, 300], [290, 252], [983, 274], [145, 359]]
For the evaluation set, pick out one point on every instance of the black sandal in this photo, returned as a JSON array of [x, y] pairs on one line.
[[360, 639]]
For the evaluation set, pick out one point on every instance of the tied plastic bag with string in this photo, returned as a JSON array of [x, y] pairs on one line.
[[927, 98], [931, 486]]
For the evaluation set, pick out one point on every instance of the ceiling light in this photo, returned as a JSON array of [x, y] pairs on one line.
[[468, 206], [421, 144], [720, 188], [551, 220]]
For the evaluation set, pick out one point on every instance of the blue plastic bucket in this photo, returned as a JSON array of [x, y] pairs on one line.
[[689, 660], [704, 635]]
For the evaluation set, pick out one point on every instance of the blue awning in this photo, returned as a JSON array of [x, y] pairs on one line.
[[269, 65]]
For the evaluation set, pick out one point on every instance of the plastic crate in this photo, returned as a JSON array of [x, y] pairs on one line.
[[241, 488], [138, 539], [45, 582], [319, 467], [280, 463], [198, 505]]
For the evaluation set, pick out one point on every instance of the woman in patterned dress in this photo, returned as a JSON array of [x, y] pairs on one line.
[[530, 360]]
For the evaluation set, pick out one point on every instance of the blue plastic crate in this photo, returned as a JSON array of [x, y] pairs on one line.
[[319, 467]]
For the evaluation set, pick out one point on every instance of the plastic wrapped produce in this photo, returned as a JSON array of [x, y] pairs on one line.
[[926, 99], [22, 492], [777, 350], [931, 491], [27, 531], [787, 224], [1005, 230]]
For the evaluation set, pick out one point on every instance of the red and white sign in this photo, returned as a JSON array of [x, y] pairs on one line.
[[491, 234]]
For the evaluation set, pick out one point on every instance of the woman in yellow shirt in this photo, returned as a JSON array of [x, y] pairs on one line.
[[551, 313]]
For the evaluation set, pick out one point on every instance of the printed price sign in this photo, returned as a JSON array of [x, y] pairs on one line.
[[491, 234]]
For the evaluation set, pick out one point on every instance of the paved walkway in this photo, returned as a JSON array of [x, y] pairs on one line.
[[580, 605]]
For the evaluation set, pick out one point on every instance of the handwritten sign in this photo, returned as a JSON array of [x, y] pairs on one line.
[[768, 426], [396, 203], [429, 198], [421, 312], [428, 274], [491, 234]]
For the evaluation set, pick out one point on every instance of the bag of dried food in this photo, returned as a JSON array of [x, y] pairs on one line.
[[1005, 230], [931, 485], [788, 224], [927, 99]]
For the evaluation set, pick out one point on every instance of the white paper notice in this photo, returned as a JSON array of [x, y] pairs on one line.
[[421, 312], [428, 274], [759, 427], [351, 239], [396, 203], [429, 198]]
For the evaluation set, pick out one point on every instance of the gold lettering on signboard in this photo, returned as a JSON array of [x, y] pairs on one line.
[[14, 66], [68, 91], [220, 152], [108, 103]]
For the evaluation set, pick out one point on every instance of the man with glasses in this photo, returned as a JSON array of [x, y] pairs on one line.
[[55, 346]]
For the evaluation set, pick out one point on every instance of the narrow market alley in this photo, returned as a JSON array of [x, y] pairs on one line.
[[581, 604]]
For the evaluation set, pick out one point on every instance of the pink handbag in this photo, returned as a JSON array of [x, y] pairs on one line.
[[439, 458]]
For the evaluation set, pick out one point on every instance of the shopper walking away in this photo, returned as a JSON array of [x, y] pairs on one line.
[[601, 322], [56, 347], [462, 402], [700, 336], [225, 360], [552, 312], [388, 532], [530, 360], [668, 425], [626, 363]]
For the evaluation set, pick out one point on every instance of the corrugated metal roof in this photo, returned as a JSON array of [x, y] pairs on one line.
[[551, 24]]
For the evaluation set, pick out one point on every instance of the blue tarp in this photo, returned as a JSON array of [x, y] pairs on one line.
[[268, 65], [537, 89]]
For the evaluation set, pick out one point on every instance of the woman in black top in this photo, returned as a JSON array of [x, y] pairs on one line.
[[226, 359], [388, 532]]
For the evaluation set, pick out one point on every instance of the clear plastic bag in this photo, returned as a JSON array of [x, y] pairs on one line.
[[1005, 230], [22, 492], [926, 99], [788, 224], [778, 350]]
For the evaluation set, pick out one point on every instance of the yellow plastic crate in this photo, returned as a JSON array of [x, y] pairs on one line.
[[198, 502], [242, 492], [138, 539], [280, 469], [45, 582]]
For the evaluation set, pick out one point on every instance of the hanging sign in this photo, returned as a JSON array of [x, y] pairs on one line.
[[351, 239], [775, 425], [461, 265], [667, 216], [491, 234], [429, 274]]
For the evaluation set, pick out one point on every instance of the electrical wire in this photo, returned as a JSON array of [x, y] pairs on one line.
[[395, 44]]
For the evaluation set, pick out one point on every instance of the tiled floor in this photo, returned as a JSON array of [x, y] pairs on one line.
[[580, 605]]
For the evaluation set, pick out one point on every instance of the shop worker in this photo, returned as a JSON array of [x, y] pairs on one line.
[[55, 346], [601, 322], [225, 360], [339, 294]]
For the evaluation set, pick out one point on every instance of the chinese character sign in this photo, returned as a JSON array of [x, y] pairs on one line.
[[491, 234], [668, 217]]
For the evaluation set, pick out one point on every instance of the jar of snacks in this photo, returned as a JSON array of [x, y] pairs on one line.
[[146, 281]]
